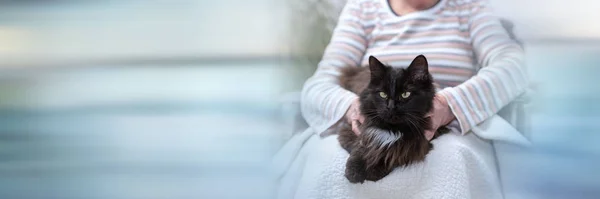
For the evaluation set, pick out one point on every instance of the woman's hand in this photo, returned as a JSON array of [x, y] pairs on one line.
[[440, 115], [354, 116]]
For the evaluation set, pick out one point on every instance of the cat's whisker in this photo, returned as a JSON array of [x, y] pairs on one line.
[[373, 114], [416, 116], [412, 125]]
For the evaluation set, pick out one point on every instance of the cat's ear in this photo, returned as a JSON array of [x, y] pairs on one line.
[[419, 67], [377, 68]]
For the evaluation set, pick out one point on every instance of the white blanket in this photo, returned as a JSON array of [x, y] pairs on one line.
[[461, 167]]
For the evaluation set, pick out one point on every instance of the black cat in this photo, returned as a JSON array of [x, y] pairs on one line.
[[394, 102]]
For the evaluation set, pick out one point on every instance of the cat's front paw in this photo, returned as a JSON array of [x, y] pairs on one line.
[[355, 177], [355, 173], [377, 173]]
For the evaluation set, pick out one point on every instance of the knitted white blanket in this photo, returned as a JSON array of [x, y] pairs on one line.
[[461, 167]]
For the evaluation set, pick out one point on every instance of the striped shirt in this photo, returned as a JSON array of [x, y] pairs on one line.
[[471, 56]]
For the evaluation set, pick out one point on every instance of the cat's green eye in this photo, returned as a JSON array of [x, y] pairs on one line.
[[405, 95], [383, 95]]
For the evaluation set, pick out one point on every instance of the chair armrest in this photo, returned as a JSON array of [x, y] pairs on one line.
[[517, 115]]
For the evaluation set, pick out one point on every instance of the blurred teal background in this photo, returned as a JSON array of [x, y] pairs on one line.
[[130, 132], [181, 98], [564, 128], [140, 99]]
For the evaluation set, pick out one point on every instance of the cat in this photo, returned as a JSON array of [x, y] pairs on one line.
[[394, 102]]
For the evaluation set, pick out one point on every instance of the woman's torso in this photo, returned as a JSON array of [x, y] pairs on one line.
[[441, 33]]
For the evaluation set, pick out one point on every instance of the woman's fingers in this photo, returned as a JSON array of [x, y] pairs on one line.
[[429, 134], [429, 114], [355, 128], [434, 124], [355, 117], [361, 118]]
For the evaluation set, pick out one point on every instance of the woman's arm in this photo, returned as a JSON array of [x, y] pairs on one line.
[[324, 101], [502, 76]]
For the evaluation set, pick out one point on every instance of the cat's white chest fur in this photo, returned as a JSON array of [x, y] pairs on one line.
[[381, 137]]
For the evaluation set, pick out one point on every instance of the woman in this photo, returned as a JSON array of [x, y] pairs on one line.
[[470, 54]]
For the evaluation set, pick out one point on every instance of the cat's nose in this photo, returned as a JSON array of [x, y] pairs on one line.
[[390, 104]]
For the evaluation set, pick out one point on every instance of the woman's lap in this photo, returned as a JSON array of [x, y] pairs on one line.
[[458, 167]]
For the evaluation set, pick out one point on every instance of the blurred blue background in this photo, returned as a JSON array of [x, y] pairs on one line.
[[139, 99], [181, 98]]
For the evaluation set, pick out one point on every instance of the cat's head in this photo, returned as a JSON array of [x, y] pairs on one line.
[[398, 96]]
